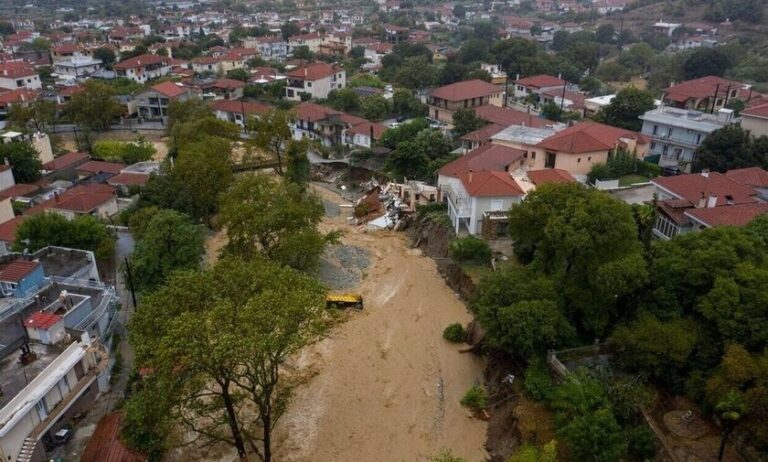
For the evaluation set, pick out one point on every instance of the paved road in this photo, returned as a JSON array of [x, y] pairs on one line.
[[148, 125]]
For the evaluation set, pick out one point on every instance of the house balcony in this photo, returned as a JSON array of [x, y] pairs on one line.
[[458, 204]]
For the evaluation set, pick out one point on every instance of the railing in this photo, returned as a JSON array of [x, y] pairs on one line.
[[98, 312]]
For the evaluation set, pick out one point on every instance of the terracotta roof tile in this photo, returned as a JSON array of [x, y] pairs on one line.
[[467, 89], [98, 166], [238, 107], [141, 61], [541, 81], [490, 184], [730, 215], [487, 158], [693, 187], [66, 160], [314, 71], [755, 177], [169, 89], [128, 179], [16, 270], [42, 320], [550, 175], [588, 137], [507, 117]]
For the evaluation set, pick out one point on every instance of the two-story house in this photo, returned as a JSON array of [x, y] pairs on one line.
[[272, 47], [152, 104], [316, 80], [238, 112], [443, 102], [143, 68], [77, 67], [537, 84], [18, 74], [706, 94], [692, 202], [676, 133]]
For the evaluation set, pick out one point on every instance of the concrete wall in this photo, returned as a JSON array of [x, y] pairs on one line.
[[758, 126]]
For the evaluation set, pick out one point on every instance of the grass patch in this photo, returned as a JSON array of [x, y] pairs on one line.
[[476, 272], [629, 180]]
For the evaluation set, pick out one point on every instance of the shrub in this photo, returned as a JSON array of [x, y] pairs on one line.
[[470, 249], [455, 333], [641, 443], [538, 383], [447, 456], [476, 398]]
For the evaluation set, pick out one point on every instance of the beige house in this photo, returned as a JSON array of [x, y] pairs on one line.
[[755, 119], [443, 102]]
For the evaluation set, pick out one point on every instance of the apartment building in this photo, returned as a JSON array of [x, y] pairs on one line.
[[316, 80], [443, 102]]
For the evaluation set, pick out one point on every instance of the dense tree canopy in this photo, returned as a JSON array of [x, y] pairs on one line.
[[84, 232], [731, 147], [24, 159], [626, 108]]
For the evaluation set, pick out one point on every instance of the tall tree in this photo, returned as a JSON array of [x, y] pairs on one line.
[[626, 108], [85, 232], [731, 147], [169, 243], [93, 109], [37, 115], [106, 55], [704, 62], [299, 168], [180, 112], [273, 217], [466, 121], [205, 170], [24, 159], [222, 337], [272, 132]]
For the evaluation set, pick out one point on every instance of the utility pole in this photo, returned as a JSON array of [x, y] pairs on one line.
[[714, 99]]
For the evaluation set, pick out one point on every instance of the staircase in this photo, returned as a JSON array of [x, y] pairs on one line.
[[27, 450]]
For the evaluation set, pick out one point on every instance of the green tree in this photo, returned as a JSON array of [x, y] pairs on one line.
[[530, 453], [299, 168], [473, 51], [139, 150], [344, 99], [405, 103], [288, 29], [605, 33], [202, 130], [85, 232], [302, 52], [459, 11], [415, 73], [168, 243], [375, 107], [275, 218], [596, 267], [37, 115], [180, 112], [238, 74], [595, 437], [271, 134], [405, 132], [205, 170], [24, 159], [221, 337], [626, 108], [705, 61], [466, 121], [660, 349], [93, 109], [552, 111], [105, 55], [730, 147]]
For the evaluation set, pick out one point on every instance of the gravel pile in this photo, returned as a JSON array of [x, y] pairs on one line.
[[350, 257], [342, 267]]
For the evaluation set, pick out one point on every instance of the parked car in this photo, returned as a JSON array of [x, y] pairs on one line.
[[671, 170]]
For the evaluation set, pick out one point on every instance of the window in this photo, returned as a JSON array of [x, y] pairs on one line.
[[309, 84], [550, 160], [589, 159], [578, 160], [497, 204], [533, 155], [669, 132], [698, 138], [666, 226], [653, 146], [655, 129]]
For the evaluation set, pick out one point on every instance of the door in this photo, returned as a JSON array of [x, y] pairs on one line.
[[550, 161]]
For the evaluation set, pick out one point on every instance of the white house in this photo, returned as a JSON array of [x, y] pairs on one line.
[[475, 198], [143, 68], [18, 74], [76, 67], [316, 79]]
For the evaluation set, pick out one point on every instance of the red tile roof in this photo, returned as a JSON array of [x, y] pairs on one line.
[[98, 166], [490, 158], [225, 84], [20, 189], [19, 95], [66, 160], [312, 112], [105, 444], [760, 111], [730, 215], [16, 270], [314, 71], [238, 107], [169, 89], [16, 69], [141, 61], [83, 198], [128, 179], [693, 187], [699, 88], [507, 117], [364, 128], [550, 175], [8, 229], [540, 81], [755, 177], [588, 137], [490, 184], [467, 89], [42, 320], [483, 134]]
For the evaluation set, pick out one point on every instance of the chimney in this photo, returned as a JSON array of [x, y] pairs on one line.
[[56, 196], [705, 172], [470, 175], [517, 77], [712, 201], [702, 201]]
